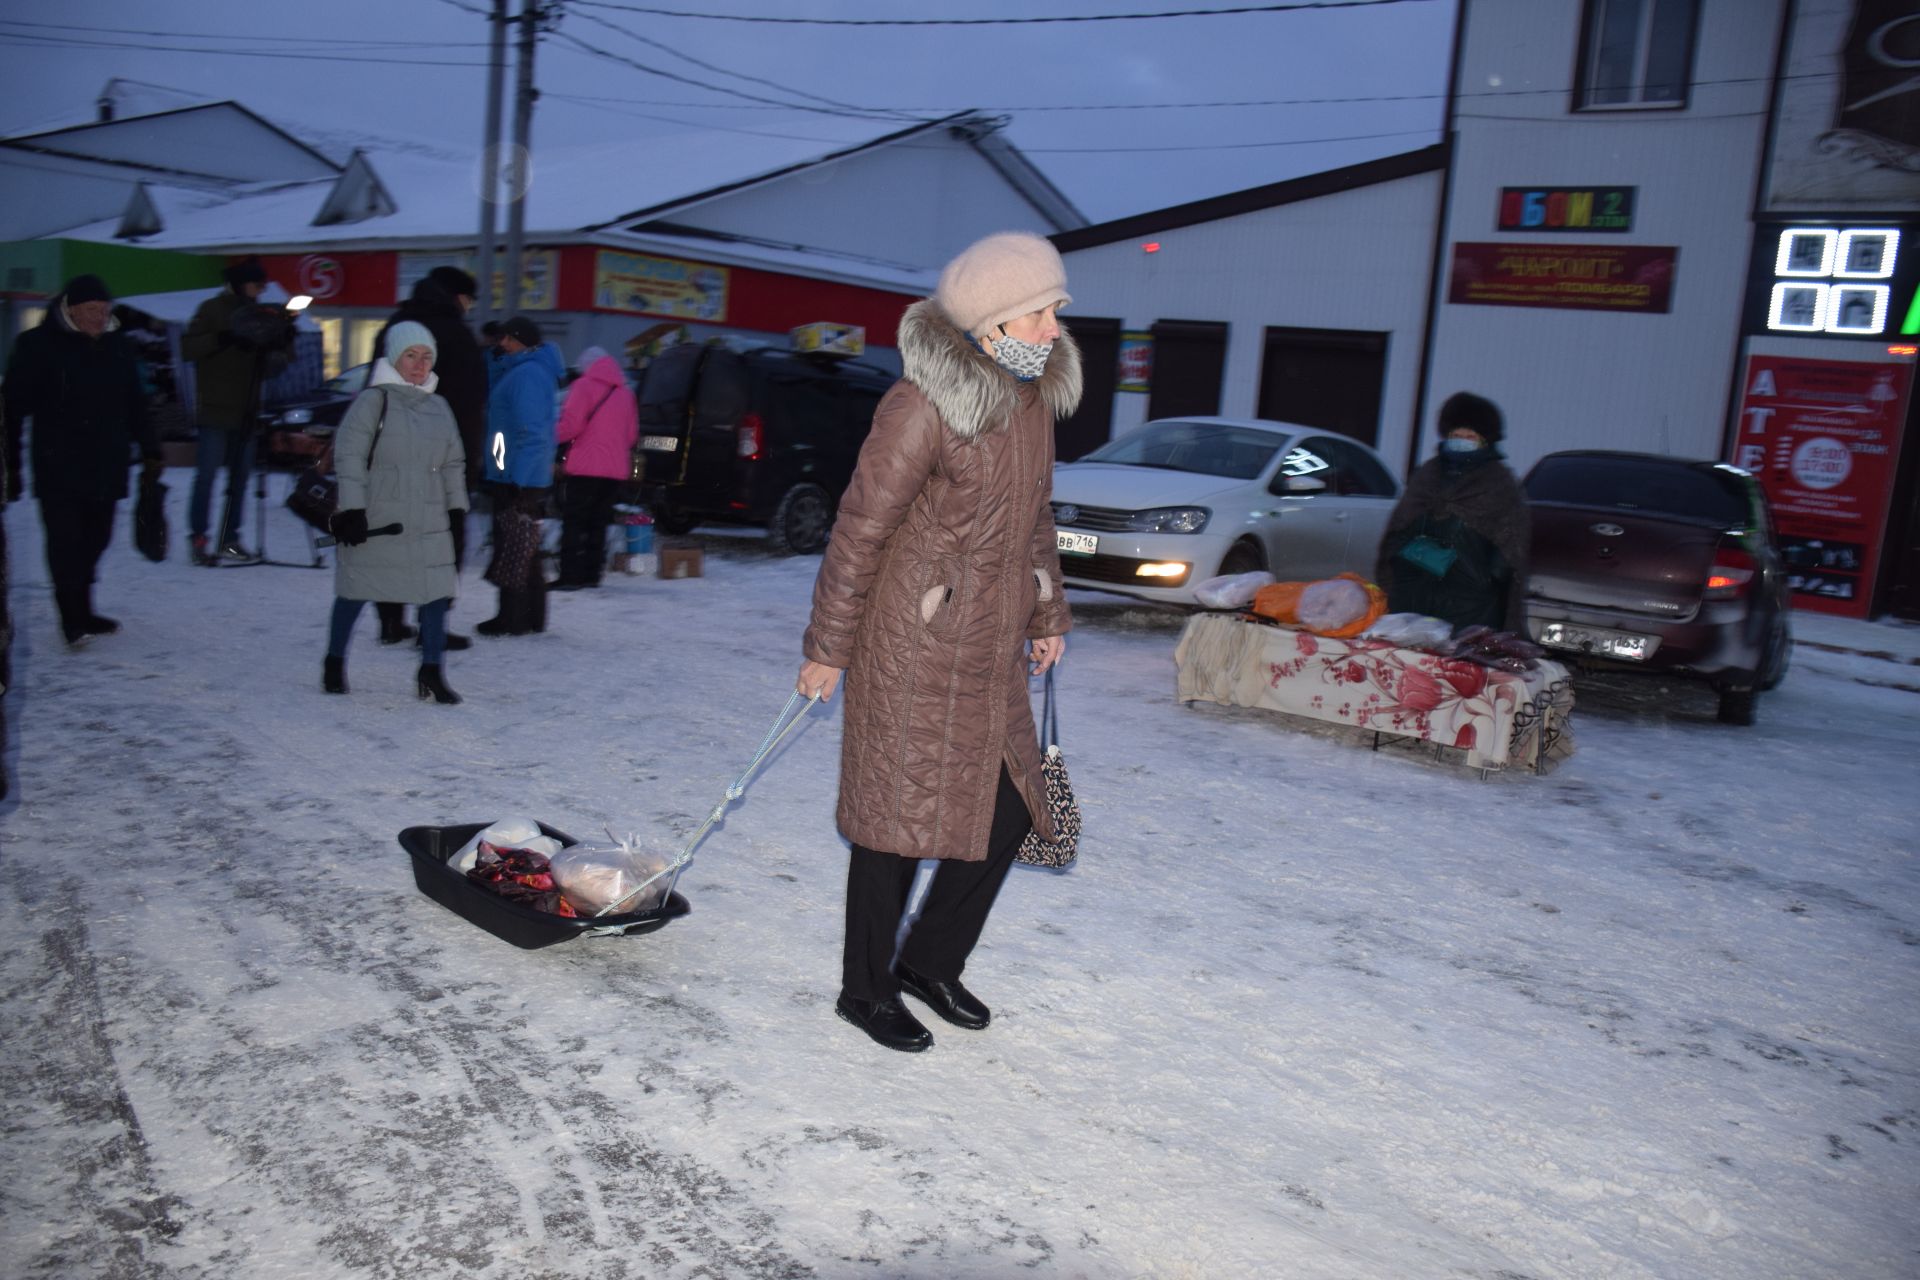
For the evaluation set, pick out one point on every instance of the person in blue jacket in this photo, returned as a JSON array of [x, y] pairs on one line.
[[523, 379]]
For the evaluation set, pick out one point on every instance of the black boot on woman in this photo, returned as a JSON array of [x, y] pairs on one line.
[[333, 675], [433, 685]]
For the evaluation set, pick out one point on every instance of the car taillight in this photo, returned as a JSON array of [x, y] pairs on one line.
[[751, 437], [1732, 573]]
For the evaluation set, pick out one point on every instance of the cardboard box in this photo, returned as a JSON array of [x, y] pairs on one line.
[[680, 562]]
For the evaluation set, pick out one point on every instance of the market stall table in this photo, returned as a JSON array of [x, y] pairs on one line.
[[1500, 719]]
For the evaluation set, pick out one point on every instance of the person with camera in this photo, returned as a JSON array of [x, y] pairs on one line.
[[235, 346], [75, 377], [403, 506]]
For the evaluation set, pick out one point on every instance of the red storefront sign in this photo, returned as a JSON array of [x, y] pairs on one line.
[[1824, 437], [350, 278], [1580, 277]]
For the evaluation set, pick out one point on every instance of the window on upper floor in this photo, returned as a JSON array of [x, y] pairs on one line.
[[1636, 54]]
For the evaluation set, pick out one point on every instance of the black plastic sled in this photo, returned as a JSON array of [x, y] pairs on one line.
[[431, 847]]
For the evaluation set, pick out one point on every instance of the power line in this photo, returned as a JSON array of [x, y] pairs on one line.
[[621, 58], [62, 42], [708, 66], [997, 22], [1223, 146], [323, 41], [1337, 100], [599, 105]]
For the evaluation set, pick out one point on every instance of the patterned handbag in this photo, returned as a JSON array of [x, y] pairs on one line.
[[1058, 853]]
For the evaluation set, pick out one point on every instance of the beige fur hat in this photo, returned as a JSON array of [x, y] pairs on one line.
[[1001, 278]]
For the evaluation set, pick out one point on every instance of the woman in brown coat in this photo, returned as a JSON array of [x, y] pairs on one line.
[[939, 594]]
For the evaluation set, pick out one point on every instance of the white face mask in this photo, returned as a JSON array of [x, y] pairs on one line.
[[1459, 444], [1024, 360]]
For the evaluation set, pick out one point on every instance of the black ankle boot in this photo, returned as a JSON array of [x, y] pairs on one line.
[[432, 685], [333, 675]]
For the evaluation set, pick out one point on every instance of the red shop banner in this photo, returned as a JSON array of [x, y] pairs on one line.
[[1824, 438], [1578, 277]]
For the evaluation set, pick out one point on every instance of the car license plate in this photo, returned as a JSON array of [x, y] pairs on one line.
[[660, 444], [1077, 544], [1607, 644]]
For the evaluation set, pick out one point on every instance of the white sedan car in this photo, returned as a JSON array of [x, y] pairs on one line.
[[1174, 502]]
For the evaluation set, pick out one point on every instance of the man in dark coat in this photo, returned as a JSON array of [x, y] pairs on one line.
[[231, 362], [75, 377], [440, 301], [1457, 543]]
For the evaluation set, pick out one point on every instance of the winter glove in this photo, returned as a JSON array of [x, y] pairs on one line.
[[458, 527], [349, 527]]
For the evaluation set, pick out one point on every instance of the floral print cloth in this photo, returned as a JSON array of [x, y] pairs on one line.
[[1500, 719]]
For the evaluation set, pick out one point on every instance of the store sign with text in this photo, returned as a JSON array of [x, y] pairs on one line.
[[1824, 438], [1580, 277], [660, 286], [1566, 209], [1136, 361]]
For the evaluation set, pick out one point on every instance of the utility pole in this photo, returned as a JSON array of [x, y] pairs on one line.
[[522, 172], [490, 156]]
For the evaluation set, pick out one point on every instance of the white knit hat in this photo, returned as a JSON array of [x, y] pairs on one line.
[[1001, 278], [409, 333]]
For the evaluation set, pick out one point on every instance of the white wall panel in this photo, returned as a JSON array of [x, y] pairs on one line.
[[1352, 260], [1589, 379]]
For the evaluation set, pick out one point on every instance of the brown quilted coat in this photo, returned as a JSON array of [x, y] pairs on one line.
[[941, 567]]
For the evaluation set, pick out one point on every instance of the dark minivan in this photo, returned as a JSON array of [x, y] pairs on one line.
[[1648, 562], [765, 437]]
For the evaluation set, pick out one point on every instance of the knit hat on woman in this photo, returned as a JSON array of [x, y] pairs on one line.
[[409, 333], [1002, 278]]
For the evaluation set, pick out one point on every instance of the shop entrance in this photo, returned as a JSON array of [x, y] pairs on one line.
[[1326, 378], [1189, 359], [1092, 423]]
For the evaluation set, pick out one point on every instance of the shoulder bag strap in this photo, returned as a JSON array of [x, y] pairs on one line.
[[1049, 716], [385, 400]]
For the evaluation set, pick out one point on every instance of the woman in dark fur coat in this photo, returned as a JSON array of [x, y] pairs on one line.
[[1456, 545]]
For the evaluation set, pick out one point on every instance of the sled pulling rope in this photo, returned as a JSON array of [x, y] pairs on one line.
[[782, 726]]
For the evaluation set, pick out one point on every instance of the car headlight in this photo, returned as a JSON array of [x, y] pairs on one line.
[[1169, 520], [296, 417]]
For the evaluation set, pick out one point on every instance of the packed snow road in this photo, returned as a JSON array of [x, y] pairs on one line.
[[1303, 1010]]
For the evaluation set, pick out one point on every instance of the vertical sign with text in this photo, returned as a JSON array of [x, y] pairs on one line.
[[1824, 438]]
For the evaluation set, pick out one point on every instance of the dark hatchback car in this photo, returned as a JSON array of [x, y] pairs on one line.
[[1651, 563], [299, 426], [762, 437]]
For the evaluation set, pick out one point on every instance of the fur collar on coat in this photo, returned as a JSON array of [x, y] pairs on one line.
[[972, 393]]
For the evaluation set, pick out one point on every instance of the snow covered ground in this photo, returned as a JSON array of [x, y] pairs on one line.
[[1303, 1010]]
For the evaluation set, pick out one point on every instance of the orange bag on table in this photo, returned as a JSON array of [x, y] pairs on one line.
[[1281, 602]]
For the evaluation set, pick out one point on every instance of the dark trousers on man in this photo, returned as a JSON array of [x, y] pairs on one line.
[[78, 530], [585, 507], [951, 918], [220, 447]]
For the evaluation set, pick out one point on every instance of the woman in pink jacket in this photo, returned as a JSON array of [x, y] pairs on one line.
[[601, 420]]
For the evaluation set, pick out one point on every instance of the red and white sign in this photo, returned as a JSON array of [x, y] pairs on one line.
[[1824, 437]]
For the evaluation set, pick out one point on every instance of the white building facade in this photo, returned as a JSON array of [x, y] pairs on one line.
[[1687, 227]]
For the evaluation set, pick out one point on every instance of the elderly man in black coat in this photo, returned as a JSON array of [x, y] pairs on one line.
[[440, 301], [75, 377]]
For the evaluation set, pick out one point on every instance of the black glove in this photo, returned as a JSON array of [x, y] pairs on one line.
[[458, 527], [349, 527]]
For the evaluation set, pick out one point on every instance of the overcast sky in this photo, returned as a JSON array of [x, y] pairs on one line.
[[413, 70]]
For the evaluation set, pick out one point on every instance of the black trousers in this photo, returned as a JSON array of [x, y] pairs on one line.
[[951, 918], [585, 507], [78, 531]]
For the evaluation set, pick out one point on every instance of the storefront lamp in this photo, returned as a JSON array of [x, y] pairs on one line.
[[1151, 246]]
